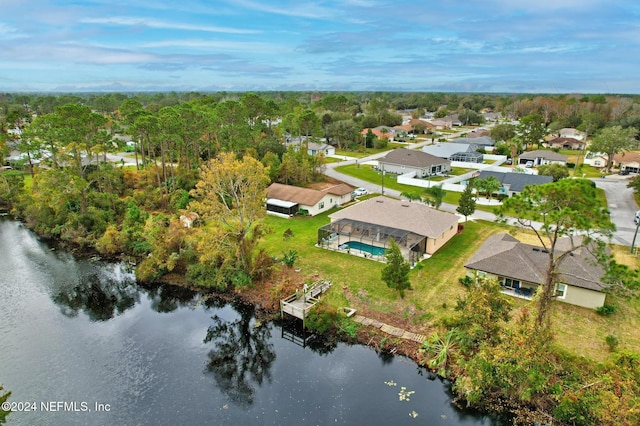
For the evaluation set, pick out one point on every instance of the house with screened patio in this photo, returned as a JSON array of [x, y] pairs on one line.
[[364, 229], [521, 268]]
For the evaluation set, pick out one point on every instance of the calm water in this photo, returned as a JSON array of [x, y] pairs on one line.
[[81, 333]]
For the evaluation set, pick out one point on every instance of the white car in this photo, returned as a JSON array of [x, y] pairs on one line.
[[360, 191], [529, 164]]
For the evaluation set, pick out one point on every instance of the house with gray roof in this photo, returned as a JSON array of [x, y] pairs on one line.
[[315, 148], [366, 227], [402, 160], [541, 156], [521, 269], [513, 183], [483, 141]]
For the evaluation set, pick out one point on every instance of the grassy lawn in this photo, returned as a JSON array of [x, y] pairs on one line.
[[435, 287], [368, 151]]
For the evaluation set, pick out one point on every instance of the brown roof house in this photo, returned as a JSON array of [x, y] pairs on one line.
[[288, 200], [566, 143], [629, 161], [402, 160], [365, 229], [520, 269]]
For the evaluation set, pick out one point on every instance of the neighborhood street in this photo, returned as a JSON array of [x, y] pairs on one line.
[[619, 198]]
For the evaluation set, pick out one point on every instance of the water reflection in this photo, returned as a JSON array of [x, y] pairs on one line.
[[241, 356], [168, 298]]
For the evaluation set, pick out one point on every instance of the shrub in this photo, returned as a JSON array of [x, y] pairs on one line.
[[466, 281], [606, 309], [612, 342]]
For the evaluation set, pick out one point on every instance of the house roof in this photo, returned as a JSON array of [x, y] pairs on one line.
[[541, 153], [627, 157], [446, 150], [516, 181], [304, 196], [477, 140], [411, 158], [413, 217], [564, 140], [505, 256], [318, 146]]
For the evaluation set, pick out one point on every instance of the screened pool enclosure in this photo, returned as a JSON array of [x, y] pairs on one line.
[[370, 240]]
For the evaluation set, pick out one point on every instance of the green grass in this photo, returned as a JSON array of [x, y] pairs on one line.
[[368, 151], [435, 287]]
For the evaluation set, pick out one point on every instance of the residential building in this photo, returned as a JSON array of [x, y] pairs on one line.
[[521, 268], [315, 148], [288, 200], [628, 161], [540, 157], [566, 143], [401, 161], [366, 227], [455, 151], [513, 183]]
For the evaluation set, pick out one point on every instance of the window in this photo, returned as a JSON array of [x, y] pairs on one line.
[[508, 282], [321, 205], [561, 291]]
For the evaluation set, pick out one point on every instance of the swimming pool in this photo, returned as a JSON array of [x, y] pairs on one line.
[[367, 248]]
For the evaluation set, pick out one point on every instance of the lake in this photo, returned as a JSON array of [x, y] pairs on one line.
[[81, 343]]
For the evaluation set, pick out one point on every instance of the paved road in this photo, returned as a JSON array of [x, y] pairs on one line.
[[622, 206]]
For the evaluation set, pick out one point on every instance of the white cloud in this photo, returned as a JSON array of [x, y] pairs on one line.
[[152, 23]]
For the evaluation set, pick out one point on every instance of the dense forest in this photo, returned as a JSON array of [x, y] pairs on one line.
[[189, 199]]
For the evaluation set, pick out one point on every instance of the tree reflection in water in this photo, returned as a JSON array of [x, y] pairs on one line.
[[100, 292], [241, 357], [103, 291]]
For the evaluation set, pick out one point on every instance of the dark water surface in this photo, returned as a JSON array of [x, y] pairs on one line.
[[76, 333]]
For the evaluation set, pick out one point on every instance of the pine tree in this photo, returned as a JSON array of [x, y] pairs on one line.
[[396, 273], [467, 203]]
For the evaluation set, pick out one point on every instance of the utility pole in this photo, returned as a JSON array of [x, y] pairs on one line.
[[382, 189]]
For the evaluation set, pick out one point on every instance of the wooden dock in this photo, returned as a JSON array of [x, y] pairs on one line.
[[300, 303]]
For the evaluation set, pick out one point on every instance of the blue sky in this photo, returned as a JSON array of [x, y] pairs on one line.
[[541, 46]]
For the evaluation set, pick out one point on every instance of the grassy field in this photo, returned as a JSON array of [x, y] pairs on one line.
[[435, 286]]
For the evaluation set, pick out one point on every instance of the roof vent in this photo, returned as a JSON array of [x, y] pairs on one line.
[[379, 201], [405, 205], [536, 249]]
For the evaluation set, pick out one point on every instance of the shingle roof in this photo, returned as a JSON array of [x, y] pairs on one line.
[[413, 217], [505, 256], [412, 158], [305, 196], [516, 181], [478, 140]]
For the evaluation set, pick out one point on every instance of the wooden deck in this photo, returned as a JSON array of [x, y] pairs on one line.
[[300, 303]]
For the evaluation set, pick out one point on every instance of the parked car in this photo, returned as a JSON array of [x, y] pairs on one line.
[[509, 161], [359, 192], [529, 164], [624, 172]]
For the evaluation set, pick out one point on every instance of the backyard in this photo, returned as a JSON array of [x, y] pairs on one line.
[[435, 287]]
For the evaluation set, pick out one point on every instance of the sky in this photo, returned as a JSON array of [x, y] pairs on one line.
[[532, 46]]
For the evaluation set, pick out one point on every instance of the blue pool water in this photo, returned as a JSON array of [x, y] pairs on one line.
[[368, 248]]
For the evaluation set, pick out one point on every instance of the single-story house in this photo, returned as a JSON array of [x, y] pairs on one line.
[[540, 157], [315, 148], [629, 161], [455, 151], [596, 159], [402, 160], [366, 227], [521, 268], [513, 183], [481, 141], [569, 132], [381, 132], [288, 200], [566, 143]]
